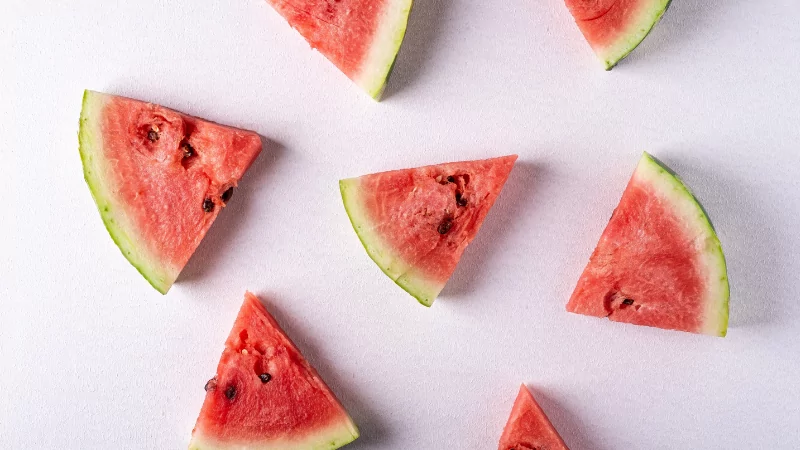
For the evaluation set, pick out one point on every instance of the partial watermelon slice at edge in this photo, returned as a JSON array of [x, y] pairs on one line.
[[614, 28], [659, 261], [382, 55], [151, 199], [398, 217], [528, 427], [361, 37], [266, 396]]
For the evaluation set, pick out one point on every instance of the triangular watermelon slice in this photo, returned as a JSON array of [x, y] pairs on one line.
[[416, 223], [266, 396], [159, 178], [659, 262], [361, 37], [615, 27], [528, 428]]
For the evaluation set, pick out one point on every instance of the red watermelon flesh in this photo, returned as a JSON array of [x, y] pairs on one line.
[[614, 28], [159, 178], [528, 427], [659, 262], [266, 396], [361, 37], [416, 223]]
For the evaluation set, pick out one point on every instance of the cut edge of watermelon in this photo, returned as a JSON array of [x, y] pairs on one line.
[[333, 437], [422, 289], [90, 140], [712, 259], [386, 43], [637, 31]]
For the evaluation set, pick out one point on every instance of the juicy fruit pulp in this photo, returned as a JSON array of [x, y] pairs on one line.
[[416, 223], [265, 395], [528, 427], [659, 262], [614, 28], [159, 178], [361, 37]]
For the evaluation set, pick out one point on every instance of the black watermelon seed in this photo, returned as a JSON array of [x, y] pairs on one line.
[[211, 384], [208, 205], [226, 196], [627, 301], [460, 201], [445, 226], [265, 377], [450, 179], [230, 392], [152, 135], [188, 150]]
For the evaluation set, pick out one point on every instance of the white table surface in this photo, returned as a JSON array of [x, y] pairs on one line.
[[93, 358]]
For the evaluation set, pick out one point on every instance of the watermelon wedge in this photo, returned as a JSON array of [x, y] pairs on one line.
[[416, 223], [614, 28], [361, 37], [659, 262], [528, 428], [266, 396], [159, 178]]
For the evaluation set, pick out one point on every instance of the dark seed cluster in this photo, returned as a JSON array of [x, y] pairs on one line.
[[188, 150], [445, 225], [230, 392], [152, 135], [460, 201], [226, 196], [208, 205]]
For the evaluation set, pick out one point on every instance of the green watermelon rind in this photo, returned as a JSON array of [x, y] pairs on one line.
[[391, 264], [685, 202], [612, 55], [333, 437], [90, 142], [386, 43]]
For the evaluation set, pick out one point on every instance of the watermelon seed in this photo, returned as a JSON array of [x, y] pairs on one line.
[[152, 135], [627, 301], [211, 384], [265, 377], [208, 205], [460, 201], [226, 196], [188, 150], [445, 226], [230, 393], [450, 179]]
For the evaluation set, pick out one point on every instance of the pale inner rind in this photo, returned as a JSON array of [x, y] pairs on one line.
[[707, 246], [385, 45], [97, 170], [422, 288], [647, 17], [329, 438]]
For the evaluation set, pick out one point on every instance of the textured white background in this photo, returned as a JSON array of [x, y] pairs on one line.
[[93, 358]]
